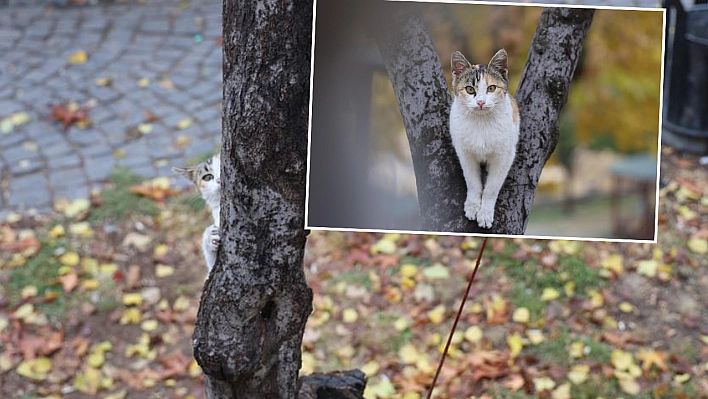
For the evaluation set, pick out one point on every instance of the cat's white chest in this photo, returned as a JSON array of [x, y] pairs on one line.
[[483, 135]]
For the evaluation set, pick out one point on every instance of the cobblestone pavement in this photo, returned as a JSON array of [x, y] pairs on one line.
[[176, 46]]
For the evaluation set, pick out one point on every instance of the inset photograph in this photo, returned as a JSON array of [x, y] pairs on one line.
[[470, 118]]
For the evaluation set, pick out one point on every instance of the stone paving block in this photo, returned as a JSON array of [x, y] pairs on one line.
[[71, 192], [60, 162], [29, 191], [84, 137], [8, 107], [97, 151], [64, 177], [98, 169], [144, 170], [209, 114], [26, 166], [18, 153]]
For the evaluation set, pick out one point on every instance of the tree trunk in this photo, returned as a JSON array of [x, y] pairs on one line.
[[424, 100], [255, 304]]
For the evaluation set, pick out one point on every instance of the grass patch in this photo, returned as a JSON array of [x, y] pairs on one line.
[[521, 296], [555, 350], [504, 393], [584, 276], [355, 277], [119, 202], [41, 270]]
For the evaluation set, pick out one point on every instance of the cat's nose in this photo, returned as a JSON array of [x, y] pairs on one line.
[[218, 180], [480, 103]]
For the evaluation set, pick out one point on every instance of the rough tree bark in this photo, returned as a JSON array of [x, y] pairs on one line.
[[256, 302], [423, 98]]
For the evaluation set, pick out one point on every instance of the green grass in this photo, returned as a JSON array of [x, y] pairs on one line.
[[358, 277], [521, 297], [555, 350], [40, 270], [119, 202]]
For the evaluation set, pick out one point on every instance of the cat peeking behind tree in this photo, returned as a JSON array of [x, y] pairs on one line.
[[484, 125], [207, 177]]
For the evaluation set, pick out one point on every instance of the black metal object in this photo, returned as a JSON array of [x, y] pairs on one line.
[[686, 75]]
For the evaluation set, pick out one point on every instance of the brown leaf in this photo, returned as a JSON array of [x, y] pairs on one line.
[[156, 193], [53, 343], [150, 117], [67, 117], [30, 345], [175, 364], [69, 281]]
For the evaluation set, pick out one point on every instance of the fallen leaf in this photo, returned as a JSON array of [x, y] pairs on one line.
[[651, 358], [143, 83], [349, 315], [473, 334], [35, 369], [515, 343], [184, 124], [436, 272], [698, 245], [163, 271], [549, 294], [78, 58], [69, 281], [578, 374], [562, 392], [67, 115], [543, 384], [521, 315], [613, 263]]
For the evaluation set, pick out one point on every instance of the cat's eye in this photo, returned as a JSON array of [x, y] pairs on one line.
[[208, 177], [470, 90], [491, 88]]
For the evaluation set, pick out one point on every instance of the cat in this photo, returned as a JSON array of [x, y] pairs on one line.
[[207, 177], [484, 126]]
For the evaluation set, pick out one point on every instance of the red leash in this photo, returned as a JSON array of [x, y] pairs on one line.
[[457, 318]]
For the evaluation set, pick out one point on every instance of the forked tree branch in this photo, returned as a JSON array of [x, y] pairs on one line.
[[424, 101]]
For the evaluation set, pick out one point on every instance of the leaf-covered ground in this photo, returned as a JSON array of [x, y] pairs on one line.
[[99, 300]]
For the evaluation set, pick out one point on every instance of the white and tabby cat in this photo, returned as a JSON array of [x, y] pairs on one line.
[[484, 126], [207, 177]]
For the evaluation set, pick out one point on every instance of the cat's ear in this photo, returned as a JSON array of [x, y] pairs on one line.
[[500, 62], [459, 63], [186, 172]]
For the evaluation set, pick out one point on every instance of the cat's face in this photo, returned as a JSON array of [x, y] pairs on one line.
[[206, 176], [480, 88]]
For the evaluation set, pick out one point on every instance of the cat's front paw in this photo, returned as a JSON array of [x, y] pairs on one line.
[[213, 238], [471, 207], [485, 217]]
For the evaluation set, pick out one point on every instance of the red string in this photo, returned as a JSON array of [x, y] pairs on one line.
[[457, 318]]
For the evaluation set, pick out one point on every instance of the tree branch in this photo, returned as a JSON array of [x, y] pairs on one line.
[[423, 98]]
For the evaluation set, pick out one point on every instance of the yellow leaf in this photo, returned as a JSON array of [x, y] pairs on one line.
[[349, 315], [436, 315], [515, 343], [704, 339], [119, 153], [35, 369], [400, 324], [143, 83], [132, 299], [108, 268], [145, 128], [473, 334], [382, 389], [103, 82], [184, 124], [621, 360], [88, 381], [69, 259], [409, 270], [57, 231], [149, 325], [89, 285], [626, 307], [577, 349], [160, 250], [698, 245], [686, 212], [613, 263], [579, 374], [409, 354], [20, 118], [543, 384], [181, 304], [596, 299], [535, 336], [651, 358], [195, 371], [629, 386], [569, 288], [164, 271], [562, 392], [521, 315], [24, 311], [78, 58], [117, 395], [549, 294], [370, 368], [77, 207], [29, 291], [131, 316], [82, 229], [96, 359], [182, 141], [647, 267], [386, 245]]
